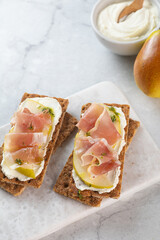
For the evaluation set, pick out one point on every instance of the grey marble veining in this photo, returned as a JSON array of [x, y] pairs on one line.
[[48, 47], [140, 172], [134, 219]]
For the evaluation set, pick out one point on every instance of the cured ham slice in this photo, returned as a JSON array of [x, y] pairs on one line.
[[90, 117], [27, 155], [95, 171], [26, 141], [96, 154], [100, 152], [104, 128], [83, 144], [15, 141], [96, 120], [29, 122]]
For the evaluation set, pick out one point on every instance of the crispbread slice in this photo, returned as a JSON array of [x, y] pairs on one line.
[[39, 179], [65, 184], [13, 189], [68, 125], [116, 192]]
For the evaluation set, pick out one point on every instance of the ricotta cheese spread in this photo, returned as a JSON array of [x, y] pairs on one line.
[[134, 26], [9, 170]]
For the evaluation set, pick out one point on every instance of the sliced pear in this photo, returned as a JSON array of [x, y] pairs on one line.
[[33, 106], [26, 172], [98, 182], [117, 123], [103, 181], [36, 107], [11, 130]]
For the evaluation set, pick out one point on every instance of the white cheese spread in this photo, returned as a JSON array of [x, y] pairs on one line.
[[136, 25]]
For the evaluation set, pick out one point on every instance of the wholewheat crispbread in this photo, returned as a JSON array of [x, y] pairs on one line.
[[116, 192], [65, 184], [39, 179], [68, 125]]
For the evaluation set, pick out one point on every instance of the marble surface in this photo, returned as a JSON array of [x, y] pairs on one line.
[[48, 47], [141, 170]]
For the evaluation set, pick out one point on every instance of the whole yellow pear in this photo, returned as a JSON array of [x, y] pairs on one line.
[[147, 66]]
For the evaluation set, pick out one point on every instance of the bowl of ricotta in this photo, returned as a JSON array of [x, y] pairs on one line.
[[127, 36]]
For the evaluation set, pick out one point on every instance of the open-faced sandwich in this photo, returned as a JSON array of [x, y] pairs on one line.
[[95, 168], [38, 127]]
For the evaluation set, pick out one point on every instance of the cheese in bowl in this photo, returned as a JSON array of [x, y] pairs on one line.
[[135, 26]]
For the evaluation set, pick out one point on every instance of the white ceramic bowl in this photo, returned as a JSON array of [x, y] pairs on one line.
[[122, 48]]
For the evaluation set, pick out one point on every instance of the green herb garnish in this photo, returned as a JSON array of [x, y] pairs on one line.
[[79, 194], [113, 118], [89, 185], [113, 110], [97, 162], [18, 161], [104, 154], [88, 134], [48, 110], [31, 127]]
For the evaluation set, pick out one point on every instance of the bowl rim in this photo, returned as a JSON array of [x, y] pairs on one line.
[[95, 28]]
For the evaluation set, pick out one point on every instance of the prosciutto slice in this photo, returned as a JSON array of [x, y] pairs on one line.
[[90, 117], [100, 152], [103, 168], [104, 128], [96, 154], [15, 141], [29, 122], [83, 144], [96, 120], [27, 155]]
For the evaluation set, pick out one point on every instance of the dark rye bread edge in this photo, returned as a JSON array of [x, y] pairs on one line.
[[68, 125], [11, 188], [132, 128], [65, 184], [39, 179]]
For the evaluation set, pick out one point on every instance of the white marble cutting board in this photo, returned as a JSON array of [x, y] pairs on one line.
[[39, 212]]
